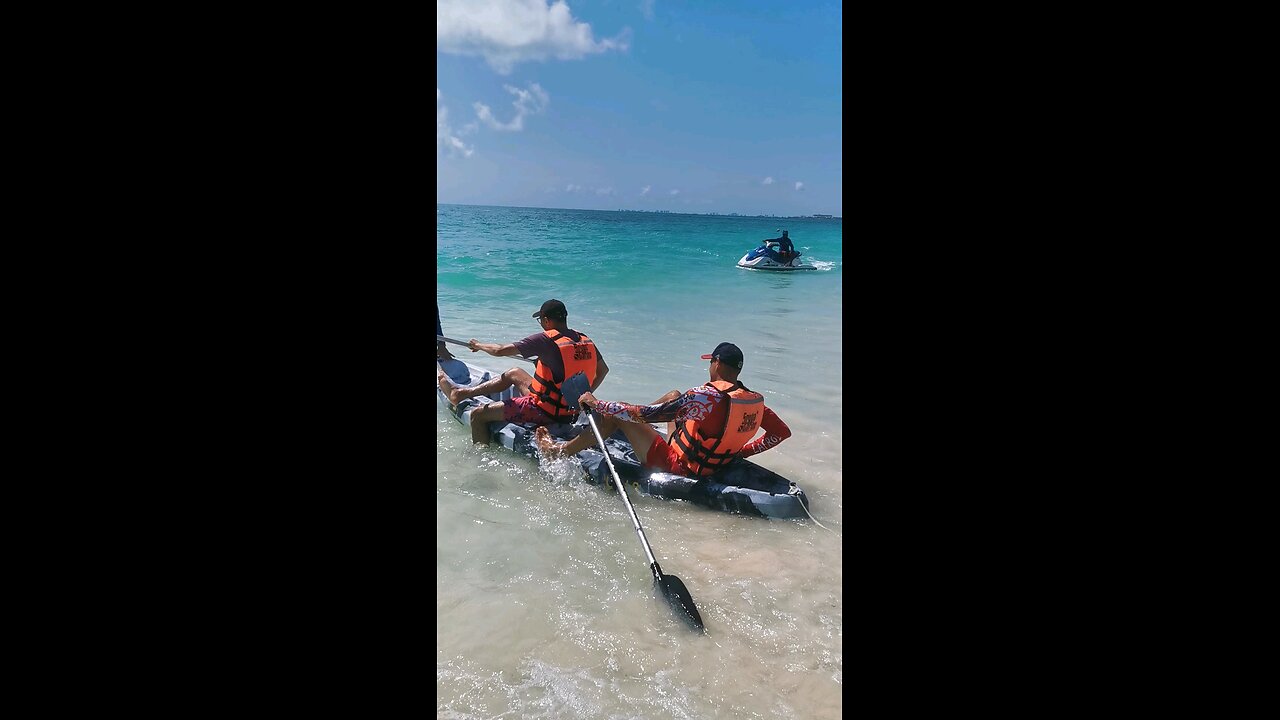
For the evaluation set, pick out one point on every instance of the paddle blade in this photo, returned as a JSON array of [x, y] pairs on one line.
[[677, 595], [573, 387]]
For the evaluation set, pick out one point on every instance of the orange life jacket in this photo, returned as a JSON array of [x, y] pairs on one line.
[[577, 356], [704, 453]]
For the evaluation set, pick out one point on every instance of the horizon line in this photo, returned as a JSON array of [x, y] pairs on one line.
[[813, 216]]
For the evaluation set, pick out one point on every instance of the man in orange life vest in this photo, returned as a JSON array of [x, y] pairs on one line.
[[561, 353], [709, 425]]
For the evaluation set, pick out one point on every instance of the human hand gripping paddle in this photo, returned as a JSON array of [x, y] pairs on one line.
[[672, 587], [468, 345]]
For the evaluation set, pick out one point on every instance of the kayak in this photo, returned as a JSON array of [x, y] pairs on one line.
[[742, 487]]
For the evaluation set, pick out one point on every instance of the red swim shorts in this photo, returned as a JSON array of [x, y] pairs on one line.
[[663, 458], [524, 409]]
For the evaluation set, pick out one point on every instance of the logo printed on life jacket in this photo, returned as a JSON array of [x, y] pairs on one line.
[[582, 352], [748, 422]]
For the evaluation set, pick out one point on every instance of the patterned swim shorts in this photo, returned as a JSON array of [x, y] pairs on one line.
[[524, 409]]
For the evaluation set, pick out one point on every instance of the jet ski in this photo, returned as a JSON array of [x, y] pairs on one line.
[[769, 257]]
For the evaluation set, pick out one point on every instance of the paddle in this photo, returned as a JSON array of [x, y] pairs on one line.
[[467, 345], [672, 587]]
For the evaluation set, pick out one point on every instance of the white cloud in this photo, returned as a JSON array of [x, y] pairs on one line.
[[645, 190], [528, 102], [646, 7], [445, 139], [604, 191], [799, 186], [767, 181], [507, 32], [572, 188], [675, 192]]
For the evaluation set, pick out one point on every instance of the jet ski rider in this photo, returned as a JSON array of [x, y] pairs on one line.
[[786, 251]]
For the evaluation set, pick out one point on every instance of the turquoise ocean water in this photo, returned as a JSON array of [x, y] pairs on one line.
[[544, 598]]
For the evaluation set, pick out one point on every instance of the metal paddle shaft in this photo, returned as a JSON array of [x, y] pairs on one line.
[[468, 345], [673, 588]]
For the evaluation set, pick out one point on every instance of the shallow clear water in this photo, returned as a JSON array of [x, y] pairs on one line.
[[544, 600]]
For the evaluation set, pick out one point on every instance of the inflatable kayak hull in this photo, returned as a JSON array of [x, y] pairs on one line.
[[742, 487]]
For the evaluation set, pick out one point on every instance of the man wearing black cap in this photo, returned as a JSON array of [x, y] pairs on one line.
[[561, 353], [708, 426]]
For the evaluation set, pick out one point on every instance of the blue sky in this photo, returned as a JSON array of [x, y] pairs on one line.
[[696, 106]]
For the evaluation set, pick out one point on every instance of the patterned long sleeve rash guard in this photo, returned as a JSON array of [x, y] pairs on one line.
[[701, 404]]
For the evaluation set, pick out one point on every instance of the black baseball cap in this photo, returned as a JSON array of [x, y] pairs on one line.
[[726, 353], [553, 309]]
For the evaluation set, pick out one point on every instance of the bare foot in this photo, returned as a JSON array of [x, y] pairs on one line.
[[447, 387], [549, 448]]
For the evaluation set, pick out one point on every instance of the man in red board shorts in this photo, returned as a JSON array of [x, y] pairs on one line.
[[708, 426], [561, 353]]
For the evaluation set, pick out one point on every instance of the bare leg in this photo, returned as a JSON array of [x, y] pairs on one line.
[[480, 419], [608, 426], [514, 376], [552, 449], [672, 395], [641, 437]]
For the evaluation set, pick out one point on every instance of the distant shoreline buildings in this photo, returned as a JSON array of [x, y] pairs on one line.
[[716, 214]]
